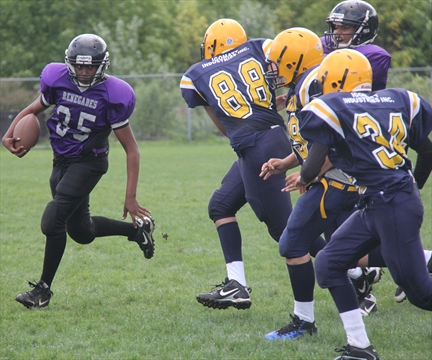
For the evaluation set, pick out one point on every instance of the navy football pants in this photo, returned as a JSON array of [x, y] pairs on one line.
[[242, 184], [306, 223], [396, 226]]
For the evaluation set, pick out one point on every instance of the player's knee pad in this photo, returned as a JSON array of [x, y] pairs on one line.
[[291, 246], [286, 251], [80, 233], [79, 236], [217, 210], [422, 302], [49, 218], [322, 271]]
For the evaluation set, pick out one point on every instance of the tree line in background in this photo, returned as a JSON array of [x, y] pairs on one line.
[[164, 36]]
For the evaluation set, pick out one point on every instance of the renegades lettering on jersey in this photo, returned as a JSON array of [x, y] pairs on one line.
[[81, 100]]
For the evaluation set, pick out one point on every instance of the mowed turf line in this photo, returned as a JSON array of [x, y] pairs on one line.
[[111, 303]]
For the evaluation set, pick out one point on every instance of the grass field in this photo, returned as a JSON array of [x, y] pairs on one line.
[[111, 303]]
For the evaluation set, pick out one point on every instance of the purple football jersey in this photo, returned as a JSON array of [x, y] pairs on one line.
[[79, 115], [378, 58]]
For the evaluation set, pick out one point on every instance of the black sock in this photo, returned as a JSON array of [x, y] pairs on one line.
[[54, 249], [110, 227]]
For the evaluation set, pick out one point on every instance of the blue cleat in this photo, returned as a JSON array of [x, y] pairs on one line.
[[293, 330]]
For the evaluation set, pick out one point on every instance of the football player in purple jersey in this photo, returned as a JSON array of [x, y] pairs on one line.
[[353, 24], [229, 82], [87, 104], [366, 134]]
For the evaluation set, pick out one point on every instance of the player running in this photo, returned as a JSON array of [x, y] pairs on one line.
[[354, 24], [366, 134], [229, 82], [293, 59], [88, 105]]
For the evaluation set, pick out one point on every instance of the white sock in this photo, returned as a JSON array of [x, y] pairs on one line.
[[355, 329], [304, 310], [236, 271], [427, 254], [355, 273]]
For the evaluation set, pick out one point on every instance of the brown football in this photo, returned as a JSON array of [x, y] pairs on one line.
[[28, 130]]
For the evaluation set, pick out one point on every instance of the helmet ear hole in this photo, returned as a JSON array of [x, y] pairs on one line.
[[221, 36], [295, 51], [345, 70]]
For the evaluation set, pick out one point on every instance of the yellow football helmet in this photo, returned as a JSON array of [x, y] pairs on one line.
[[222, 35], [292, 52], [345, 70]]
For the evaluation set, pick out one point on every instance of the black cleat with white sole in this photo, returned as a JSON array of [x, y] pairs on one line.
[[144, 236], [228, 294], [354, 353]]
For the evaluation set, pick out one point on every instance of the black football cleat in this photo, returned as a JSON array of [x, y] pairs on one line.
[[229, 293], [144, 236], [354, 353], [363, 284], [39, 297], [295, 329]]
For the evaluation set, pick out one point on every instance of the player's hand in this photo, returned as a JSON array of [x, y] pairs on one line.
[[280, 102], [135, 210], [8, 143], [292, 183], [272, 167]]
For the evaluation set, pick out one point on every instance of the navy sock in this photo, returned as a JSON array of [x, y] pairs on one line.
[[231, 241], [345, 298], [302, 281]]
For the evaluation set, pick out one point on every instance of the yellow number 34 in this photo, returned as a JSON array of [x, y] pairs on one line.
[[390, 154]]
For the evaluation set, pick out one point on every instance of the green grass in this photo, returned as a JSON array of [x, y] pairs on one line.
[[111, 303]]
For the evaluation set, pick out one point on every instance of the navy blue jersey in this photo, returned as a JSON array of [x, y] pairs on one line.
[[81, 114], [233, 85], [368, 135]]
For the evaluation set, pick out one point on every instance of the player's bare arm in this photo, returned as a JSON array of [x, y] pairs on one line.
[[131, 205], [278, 166], [215, 119], [8, 139]]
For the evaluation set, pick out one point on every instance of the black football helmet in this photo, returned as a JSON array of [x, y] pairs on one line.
[[87, 49], [359, 14]]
